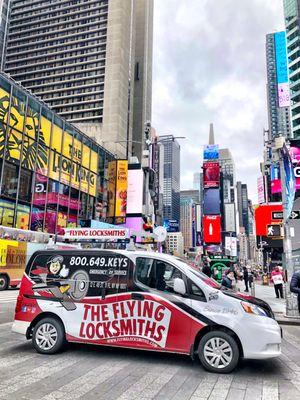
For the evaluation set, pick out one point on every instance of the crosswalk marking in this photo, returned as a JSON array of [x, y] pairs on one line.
[[8, 296]]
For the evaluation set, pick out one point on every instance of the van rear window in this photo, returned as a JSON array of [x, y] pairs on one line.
[[83, 274]]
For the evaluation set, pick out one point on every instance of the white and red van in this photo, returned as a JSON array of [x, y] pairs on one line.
[[140, 300]]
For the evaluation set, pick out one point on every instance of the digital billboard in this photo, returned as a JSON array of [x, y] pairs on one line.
[[261, 190], [211, 152], [211, 201], [117, 188], [171, 225], [135, 191], [282, 70], [212, 229], [211, 174], [264, 215]]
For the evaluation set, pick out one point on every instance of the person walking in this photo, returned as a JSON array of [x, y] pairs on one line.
[[206, 270], [278, 280], [295, 286], [228, 281], [246, 278]]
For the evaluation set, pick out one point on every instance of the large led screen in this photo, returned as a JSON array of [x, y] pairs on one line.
[[211, 201], [211, 174], [212, 229]]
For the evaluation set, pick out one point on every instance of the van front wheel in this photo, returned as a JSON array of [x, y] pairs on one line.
[[48, 336], [4, 282], [218, 352]]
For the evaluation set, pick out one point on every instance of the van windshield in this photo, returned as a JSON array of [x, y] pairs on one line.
[[209, 281]]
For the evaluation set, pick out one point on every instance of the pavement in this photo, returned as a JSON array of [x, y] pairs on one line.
[[267, 293]]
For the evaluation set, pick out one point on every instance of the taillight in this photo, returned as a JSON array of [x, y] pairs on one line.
[[19, 303]]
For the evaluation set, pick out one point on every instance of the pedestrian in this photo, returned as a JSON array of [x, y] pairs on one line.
[[295, 286], [228, 280], [246, 278], [278, 280], [206, 269]]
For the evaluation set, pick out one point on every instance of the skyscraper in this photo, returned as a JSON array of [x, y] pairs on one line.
[[171, 200], [228, 175], [277, 89], [243, 206], [90, 60], [292, 25], [4, 13]]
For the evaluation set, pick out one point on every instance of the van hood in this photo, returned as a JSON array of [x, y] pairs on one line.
[[250, 299]]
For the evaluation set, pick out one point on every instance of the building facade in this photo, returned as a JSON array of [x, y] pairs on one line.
[[171, 189], [175, 243], [190, 194], [80, 58], [243, 206], [187, 211], [278, 114], [292, 26], [228, 175], [51, 175], [4, 15]]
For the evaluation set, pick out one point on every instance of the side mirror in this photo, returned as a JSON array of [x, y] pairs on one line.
[[179, 286]]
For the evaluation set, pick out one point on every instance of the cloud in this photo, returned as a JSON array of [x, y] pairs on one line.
[[209, 66]]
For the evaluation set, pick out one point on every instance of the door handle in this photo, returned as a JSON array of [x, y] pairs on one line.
[[137, 296]]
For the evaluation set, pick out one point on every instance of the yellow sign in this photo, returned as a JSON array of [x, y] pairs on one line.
[[111, 188], [7, 210], [121, 188], [13, 258], [67, 159]]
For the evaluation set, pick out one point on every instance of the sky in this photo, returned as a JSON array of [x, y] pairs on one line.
[[209, 66]]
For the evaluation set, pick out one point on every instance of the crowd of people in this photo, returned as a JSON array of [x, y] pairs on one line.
[[234, 274]]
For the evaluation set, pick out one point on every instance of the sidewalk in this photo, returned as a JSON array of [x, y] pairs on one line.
[[267, 294]]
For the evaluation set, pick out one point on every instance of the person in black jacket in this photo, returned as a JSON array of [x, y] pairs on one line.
[[246, 278], [206, 270], [295, 286]]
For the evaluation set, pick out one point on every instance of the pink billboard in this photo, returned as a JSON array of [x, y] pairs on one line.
[[284, 94]]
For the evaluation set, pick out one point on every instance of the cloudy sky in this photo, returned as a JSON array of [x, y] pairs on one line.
[[209, 66]]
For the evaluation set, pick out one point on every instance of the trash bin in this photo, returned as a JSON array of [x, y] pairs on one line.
[[265, 279]]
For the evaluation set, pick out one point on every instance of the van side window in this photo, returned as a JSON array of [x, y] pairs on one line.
[[156, 274]]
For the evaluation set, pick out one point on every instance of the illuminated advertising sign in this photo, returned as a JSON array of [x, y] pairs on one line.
[[135, 191], [171, 225], [261, 190], [7, 211], [117, 188], [211, 201], [231, 246], [282, 70], [63, 157], [121, 188], [211, 152], [212, 229], [264, 215], [211, 174]]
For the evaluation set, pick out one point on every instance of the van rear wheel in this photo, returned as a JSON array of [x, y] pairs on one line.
[[218, 352], [48, 336]]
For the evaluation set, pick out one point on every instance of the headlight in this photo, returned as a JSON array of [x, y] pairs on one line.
[[253, 309]]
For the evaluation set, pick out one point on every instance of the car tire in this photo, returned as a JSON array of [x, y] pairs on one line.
[[4, 282], [48, 336], [218, 352]]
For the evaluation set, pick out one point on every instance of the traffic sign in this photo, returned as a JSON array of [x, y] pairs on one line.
[[295, 215], [277, 215], [274, 230]]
